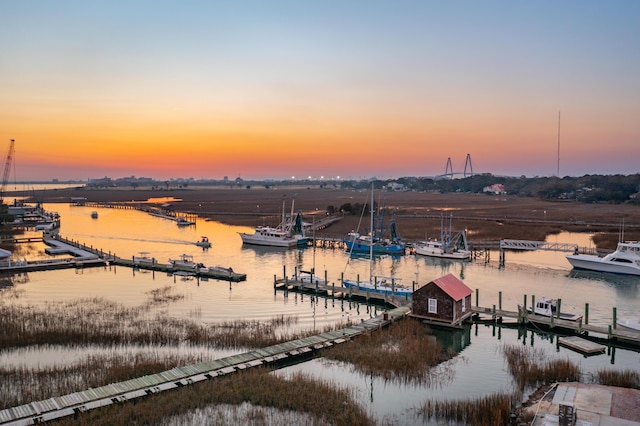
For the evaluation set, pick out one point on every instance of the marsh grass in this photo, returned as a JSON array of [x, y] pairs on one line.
[[405, 351], [491, 410], [102, 322], [624, 379], [530, 367], [324, 402]]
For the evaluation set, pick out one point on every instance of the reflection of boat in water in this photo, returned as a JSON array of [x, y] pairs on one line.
[[449, 246], [548, 308], [289, 233], [629, 323], [625, 260], [204, 242]]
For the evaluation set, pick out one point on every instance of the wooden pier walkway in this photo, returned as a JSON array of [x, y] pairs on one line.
[[340, 292], [276, 355], [610, 332]]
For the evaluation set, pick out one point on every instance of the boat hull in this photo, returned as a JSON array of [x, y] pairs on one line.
[[632, 324], [436, 252], [273, 242], [598, 264], [357, 247], [378, 288]]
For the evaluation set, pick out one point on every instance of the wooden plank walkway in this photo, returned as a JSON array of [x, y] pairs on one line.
[[611, 332], [339, 292], [280, 354]]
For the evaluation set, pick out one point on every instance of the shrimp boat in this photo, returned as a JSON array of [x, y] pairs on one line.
[[450, 246], [289, 233], [381, 285], [375, 241]]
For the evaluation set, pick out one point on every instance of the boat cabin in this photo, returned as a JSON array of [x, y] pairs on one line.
[[445, 300]]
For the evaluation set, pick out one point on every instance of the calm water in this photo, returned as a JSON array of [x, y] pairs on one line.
[[478, 370]]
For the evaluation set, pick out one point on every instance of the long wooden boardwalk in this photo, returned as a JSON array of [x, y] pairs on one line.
[[280, 354]]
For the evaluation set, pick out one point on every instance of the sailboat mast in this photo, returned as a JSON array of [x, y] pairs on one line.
[[371, 242]]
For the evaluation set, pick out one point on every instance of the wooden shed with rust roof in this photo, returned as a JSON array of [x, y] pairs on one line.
[[445, 300]]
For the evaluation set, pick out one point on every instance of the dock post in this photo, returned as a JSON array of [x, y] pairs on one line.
[[500, 300], [580, 326], [525, 302], [615, 317], [501, 261], [284, 273], [494, 312], [586, 313], [477, 297], [559, 306], [609, 333], [342, 279], [274, 281], [533, 303], [551, 317]]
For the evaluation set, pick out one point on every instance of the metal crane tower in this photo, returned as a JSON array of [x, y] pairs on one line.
[[7, 169]]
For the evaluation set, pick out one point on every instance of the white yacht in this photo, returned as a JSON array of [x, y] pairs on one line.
[[625, 260], [290, 233]]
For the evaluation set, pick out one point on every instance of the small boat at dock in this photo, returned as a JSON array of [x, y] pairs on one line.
[[182, 221], [629, 324], [549, 308]]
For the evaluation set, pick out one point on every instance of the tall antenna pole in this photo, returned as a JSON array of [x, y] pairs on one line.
[[558, 169]]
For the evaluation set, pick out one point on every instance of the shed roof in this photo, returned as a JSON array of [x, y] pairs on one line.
[[451, 285]]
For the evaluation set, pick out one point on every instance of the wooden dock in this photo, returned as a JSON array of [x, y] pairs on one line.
[[581, 345], [610, 332], [276, 355], [339, 292]]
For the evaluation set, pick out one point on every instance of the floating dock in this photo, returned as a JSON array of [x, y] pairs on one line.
[[581, 345], [280, 354]]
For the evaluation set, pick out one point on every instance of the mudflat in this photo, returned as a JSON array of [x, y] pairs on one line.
[[418, 214]]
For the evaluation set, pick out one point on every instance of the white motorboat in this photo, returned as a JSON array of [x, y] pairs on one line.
[[449, 246], [204, 242], [625, 260], [549, 307], [629, 323], [143, 259], [184, 263]]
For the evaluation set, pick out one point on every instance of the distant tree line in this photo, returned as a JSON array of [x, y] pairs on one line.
[[587, 189]]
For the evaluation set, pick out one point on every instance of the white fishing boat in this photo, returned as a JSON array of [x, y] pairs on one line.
[[184, 263], [449, 246], [629, 323], [204, 242], [289, 233], [549, 307], [143, 259], [625, 260]]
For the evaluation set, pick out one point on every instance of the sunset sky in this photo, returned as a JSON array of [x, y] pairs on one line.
[[275, 89]]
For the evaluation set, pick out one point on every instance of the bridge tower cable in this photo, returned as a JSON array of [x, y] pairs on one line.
[[468, 164]]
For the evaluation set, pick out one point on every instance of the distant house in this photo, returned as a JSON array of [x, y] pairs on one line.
[[445, 300], [496, 188]]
